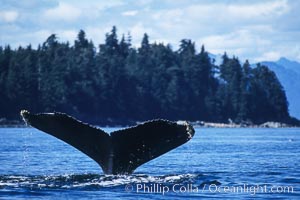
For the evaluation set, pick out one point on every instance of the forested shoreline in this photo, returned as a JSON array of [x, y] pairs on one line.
[[115, 83]]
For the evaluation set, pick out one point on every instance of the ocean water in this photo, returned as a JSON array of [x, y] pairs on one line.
[[216, 163]]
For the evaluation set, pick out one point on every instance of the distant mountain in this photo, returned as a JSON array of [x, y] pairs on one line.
[[216, 58], [288, 73]]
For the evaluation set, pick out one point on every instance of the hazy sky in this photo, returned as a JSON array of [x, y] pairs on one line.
[[257, 30]]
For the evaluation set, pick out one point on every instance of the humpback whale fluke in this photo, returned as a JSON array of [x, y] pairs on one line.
[[122, 151]]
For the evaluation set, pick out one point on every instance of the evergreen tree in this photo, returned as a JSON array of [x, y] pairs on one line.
[[231, 73], [52, 65], [122, 84], [245, 96], [80, 76], [5, 59], [271, 102]]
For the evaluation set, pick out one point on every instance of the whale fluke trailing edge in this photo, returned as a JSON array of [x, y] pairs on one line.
[[122, 151]]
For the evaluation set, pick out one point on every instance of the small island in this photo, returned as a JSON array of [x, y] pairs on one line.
[[117, 84]]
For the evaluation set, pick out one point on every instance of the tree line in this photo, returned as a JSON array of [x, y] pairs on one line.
[[116, 83]]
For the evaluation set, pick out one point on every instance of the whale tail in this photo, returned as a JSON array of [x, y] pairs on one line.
[[122, 151]]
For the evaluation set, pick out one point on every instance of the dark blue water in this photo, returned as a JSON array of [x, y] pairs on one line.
[[218, 163]]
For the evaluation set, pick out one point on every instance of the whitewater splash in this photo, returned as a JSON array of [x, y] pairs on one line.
[[93, 181]]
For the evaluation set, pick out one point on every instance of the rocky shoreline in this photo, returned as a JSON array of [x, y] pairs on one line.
[[241, 125], [198, 124]]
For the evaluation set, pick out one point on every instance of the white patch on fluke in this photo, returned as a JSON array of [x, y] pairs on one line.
[[189, 129]]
